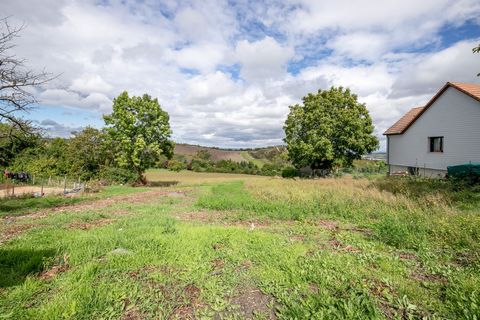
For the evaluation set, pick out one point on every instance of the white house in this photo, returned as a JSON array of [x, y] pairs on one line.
[[444, 132]]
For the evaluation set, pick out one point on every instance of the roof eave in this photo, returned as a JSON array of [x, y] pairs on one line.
[[392, 134]]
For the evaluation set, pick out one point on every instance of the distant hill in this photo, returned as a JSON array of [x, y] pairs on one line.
[[259, 156], [188, 151]]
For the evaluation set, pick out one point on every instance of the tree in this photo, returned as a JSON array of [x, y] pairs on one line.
[[88, 153], [477, 50], [330, 130], [13, 141], [16, 80], [139, 132]]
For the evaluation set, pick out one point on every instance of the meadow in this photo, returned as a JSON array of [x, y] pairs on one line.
[[224, 246]]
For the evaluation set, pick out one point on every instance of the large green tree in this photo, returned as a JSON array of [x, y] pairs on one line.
[[329, 130], [139, 132]]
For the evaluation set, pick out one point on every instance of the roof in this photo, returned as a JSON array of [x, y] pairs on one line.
[[399, 127], [471, 89]]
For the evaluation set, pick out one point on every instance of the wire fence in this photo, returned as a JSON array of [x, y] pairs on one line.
[[26, 185]]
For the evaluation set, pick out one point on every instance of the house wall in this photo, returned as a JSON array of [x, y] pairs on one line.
[[424, 172], [456, 117]]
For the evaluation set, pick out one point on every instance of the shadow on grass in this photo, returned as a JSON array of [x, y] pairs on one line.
[[16, 265], [162, 183]]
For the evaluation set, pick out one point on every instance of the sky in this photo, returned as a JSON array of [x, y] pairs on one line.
[[227, 71]]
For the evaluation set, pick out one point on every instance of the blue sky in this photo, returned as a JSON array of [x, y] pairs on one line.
[[226, 71]]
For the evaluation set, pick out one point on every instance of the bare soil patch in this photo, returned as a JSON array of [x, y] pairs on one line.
[[250, 303], [29, 190], [202, 216], [428, 277], [408, 256], [133, 314], [13, 230], [339, 246], [90, 225], [378, 288], [328, 224], [186, 310], [61, 265], [184, 299], [141, 197]]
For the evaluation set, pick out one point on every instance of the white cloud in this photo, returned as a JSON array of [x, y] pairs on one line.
[[360, 45], [90, 83], [262, 59], [314, 15], [426, 72], [99, 50], [200, 57], [206, 88]]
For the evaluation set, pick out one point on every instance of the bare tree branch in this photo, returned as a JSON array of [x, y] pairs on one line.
[[16, 79]]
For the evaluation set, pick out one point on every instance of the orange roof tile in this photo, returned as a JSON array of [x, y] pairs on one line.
[[404, 122], [470, 89]]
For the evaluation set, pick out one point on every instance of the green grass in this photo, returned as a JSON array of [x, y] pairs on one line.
[[19, 206], [258, 162], [324, 249]]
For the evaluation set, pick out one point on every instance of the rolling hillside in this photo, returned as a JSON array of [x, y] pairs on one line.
[[259, 156]]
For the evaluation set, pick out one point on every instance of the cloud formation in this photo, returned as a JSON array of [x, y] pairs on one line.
[[227, 71]]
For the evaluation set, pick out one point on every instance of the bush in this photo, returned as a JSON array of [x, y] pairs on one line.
[[175, 165], [270, 169], [290, 172], [118, 175]]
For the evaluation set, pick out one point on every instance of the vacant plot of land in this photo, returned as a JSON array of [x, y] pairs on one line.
[[219, 246]]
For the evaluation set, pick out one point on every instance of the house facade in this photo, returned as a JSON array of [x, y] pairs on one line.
[[444, 132]]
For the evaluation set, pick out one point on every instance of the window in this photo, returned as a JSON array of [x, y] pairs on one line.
[[436, 144]]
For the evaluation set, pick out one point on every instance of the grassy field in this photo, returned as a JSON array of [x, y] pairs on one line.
[[219, 246], [258, 162]]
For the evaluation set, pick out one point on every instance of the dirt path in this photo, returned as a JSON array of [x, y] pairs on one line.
[[140, 197], [10, 228], [6, 191]]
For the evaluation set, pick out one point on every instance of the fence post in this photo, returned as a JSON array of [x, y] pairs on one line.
[[64, 184], [41, 192]]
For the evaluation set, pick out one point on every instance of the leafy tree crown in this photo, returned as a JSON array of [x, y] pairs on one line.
[[139, 132], [329, 130]]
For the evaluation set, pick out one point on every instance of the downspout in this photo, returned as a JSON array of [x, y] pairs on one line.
[[388, 154]]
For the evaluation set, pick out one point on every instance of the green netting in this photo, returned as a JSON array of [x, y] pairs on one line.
[[467, 170]]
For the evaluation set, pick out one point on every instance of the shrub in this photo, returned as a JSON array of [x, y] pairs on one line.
[[290, 172], [270, 169], [118, 175], [175, 165]]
